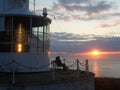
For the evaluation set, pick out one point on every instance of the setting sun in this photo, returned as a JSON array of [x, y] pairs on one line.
[[95, 52]]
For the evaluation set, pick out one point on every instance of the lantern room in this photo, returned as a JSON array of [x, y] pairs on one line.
[[24, 33]]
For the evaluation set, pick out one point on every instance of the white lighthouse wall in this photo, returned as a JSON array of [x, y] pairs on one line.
[[1, 6], [24, 62]]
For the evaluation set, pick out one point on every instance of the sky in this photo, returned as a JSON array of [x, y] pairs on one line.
[[82, 25]]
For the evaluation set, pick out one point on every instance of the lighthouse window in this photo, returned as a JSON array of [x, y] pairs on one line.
[[26, 35], [37, 38], [15, 35], [40, 37]]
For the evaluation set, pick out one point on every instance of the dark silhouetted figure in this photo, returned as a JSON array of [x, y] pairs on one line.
[[59, 63]]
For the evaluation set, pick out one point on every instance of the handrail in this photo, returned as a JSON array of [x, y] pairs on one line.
[[85, 64]]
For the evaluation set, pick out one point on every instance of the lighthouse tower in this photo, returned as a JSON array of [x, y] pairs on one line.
[[24, 38]]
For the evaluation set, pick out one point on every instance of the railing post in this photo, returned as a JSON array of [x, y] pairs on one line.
[[53, 71], [87, 66], [13, 78], [13, 73], [78, 71], [64, 60]]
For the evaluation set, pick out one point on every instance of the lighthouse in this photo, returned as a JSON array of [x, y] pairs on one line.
[[24, 38]]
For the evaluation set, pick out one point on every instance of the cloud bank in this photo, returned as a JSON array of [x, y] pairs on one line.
[[84, 10], [73, 43]]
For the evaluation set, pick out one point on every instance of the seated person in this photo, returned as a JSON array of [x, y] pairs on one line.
[[58, 61]]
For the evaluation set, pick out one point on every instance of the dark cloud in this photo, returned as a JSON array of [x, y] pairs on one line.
[[68, 42], [89, 8], [99, 7], [64, 2], [81, 10]]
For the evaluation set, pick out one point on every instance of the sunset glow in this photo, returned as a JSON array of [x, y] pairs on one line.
[[101, 54]]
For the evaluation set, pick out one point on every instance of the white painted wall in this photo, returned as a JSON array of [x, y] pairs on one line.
[[1, 6], [24, 59], [6, 5]]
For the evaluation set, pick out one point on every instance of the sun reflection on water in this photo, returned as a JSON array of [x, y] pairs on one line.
[[95, 68]]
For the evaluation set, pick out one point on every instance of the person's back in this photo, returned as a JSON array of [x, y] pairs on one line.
[[58, 61]]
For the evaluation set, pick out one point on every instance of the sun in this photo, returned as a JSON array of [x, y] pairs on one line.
[[95, 53]]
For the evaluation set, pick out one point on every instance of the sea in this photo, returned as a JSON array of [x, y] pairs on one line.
[[108, 67], [101, 67]]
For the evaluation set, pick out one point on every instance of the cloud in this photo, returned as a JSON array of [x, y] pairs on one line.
[[115, 14], [64, 2], [117, 23], [110, 15], [99, 7], [69, 42], [89, 8], [80, 9]]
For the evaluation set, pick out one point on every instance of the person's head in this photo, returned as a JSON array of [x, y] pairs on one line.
[[58, 56]]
